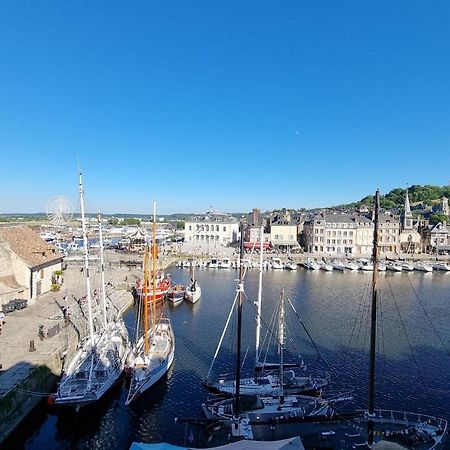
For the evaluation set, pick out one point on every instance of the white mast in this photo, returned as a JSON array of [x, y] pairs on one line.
[[86, 263], [102, 266], [258, 312]]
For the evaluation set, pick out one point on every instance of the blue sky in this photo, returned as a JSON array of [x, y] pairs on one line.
[[234, 104]]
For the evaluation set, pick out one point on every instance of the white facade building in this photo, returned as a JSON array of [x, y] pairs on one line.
[[212, 227]]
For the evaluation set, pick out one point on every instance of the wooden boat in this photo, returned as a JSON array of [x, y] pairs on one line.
[[153, 352], [162, 285], [175, 295]]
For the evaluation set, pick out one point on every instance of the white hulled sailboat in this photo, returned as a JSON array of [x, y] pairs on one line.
[[101, 356]]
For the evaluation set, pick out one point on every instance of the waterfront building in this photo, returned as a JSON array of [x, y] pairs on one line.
[[410, 238], [346, 234], [389, 236], [340, 234], [212, 227], [364, 235], [435, 238], [253, 235], [283, 233], [313, 237], [27, 264]]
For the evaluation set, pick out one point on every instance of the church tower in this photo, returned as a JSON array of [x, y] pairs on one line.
[[407, 218], [444, 206]]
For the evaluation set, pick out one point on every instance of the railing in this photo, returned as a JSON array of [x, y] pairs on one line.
[[417, 421]]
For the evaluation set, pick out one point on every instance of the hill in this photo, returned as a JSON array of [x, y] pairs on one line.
[[427, 194]]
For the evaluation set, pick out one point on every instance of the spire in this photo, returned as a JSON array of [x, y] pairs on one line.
[[407, 206], [407, 215]]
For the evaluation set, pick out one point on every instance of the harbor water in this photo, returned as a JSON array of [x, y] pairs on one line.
[[413, 360]]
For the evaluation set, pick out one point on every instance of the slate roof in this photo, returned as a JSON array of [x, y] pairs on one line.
[[29, 246]]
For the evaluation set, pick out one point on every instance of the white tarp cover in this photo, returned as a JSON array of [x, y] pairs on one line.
[[285, 444]]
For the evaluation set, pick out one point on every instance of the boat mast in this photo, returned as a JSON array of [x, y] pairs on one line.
[[86, 262], [258, 312], [102, 268], [154, 256], [373, 322], [281, 339], [239, 323], [144, 300]]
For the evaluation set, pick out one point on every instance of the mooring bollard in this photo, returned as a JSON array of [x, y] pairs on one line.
[[32, 347]]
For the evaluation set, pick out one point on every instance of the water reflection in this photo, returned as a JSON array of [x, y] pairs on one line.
[[412, 372]]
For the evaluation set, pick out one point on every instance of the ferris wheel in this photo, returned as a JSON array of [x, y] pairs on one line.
[[59, 210]]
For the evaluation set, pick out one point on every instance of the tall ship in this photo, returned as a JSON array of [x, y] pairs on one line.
[[101, 356], [153, 352]]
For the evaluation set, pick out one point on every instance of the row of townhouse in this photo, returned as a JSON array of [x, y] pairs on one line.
[[349, 234], [327, 232]]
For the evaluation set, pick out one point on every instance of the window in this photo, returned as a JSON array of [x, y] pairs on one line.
[[190, 228], [224, 228], [41, 273]]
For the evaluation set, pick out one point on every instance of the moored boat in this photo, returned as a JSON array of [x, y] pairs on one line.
[[153, 352], [101, 356], [441, 266], [175, 295], [423, 266]]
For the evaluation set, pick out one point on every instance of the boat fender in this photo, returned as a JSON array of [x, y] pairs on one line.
[[51, 400]]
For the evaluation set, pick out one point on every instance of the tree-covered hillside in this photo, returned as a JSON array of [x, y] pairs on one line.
[[417, 193]]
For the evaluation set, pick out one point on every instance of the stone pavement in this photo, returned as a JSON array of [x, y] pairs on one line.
[[22, 326]]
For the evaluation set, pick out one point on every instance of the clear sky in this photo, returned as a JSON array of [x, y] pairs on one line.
[[234, 104]]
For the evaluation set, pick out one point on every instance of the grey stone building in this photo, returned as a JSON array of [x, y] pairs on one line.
[[27, 263]]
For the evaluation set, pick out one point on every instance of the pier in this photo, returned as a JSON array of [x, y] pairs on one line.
[[37, 340]]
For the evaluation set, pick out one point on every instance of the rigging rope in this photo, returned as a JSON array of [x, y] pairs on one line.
[[312, 341], [407, 337], [428, 317], [428, 387]]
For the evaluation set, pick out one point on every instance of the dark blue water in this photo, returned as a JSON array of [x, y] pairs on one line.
[[413, 362]]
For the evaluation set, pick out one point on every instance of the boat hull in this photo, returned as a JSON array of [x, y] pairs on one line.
[[143, 379]]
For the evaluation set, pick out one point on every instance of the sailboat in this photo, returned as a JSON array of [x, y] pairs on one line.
[[266, 380], [193, 289], [259, 407], [153, 353], [369, 428], [101, 356]]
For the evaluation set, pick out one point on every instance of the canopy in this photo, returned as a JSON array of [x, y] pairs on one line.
[[284, 444], [257, 245]]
